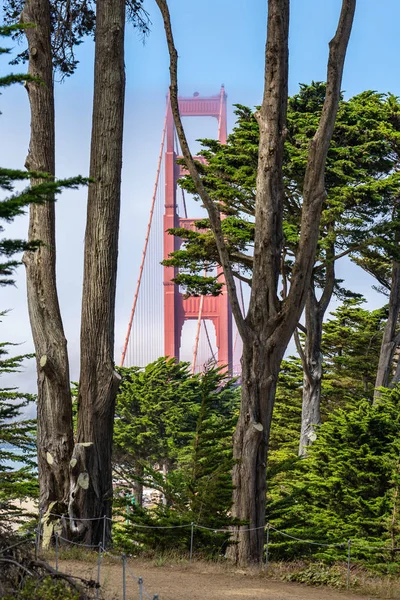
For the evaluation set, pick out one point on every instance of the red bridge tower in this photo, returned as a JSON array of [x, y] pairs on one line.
[[177, 309]]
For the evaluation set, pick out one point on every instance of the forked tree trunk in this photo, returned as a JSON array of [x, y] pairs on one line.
[[270, 323], [54, 406], [98, 380]]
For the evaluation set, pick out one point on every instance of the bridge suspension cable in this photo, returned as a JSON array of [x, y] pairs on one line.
[[146, 242]]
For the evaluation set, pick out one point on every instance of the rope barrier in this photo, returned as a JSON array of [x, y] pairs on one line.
[[160, 526], [101, 553], [374, 546], [68, 518], [292, 537], [366, 546], [229, 529], [78, 543], [359, 544], [131, 573]]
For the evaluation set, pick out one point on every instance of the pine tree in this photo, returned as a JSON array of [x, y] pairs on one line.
[[184, 422], [351, 341], [361, 182], [18, 479], [350, 346], [156, 414], [346, 487]]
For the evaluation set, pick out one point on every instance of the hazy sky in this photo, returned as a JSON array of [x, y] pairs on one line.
[[219, 41]]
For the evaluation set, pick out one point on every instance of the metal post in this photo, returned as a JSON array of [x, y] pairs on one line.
[[104, 531], [37, 542], [348, 562], [98, 571], [266, 549], [140, 582], [56, 552], [38, 531], [123, 577], [191, 541]]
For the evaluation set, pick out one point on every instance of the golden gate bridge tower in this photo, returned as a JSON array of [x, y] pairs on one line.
[[157, 322]]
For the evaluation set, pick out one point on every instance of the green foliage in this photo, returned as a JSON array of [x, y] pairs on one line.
[[47, 589], [362, 180], [351, 343], [319, 574], [11, 206], [71, 22], [156, 414], [15, 205], [285, 430], [168, 417], [18, 479], [346, 487]]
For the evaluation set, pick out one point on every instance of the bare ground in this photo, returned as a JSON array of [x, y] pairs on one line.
[[197, 582]]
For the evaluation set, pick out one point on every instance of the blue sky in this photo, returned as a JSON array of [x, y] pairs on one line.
[[218, 41]]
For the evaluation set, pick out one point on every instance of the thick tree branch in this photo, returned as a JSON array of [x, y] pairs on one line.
[[268, 238], [213, 213], [314, 181], [301, 328], [54, 419], [349, 250], [244, 259], [69, 578], [247, 280], [329, 280], [302, 355], [17, 564]]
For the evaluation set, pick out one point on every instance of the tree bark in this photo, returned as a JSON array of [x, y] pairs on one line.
[[311, 358], [269, 323], [98, 380], [311, 355], [54, 406], [138, 485], [260, 370], [391, 337]]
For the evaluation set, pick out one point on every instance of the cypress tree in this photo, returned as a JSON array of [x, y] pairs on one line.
[[18, 479], [168, 418]]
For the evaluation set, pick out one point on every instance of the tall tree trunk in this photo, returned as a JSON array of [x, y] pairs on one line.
[[138, 485], [311, 358], [269, 323], [260, 370], [391, 337], [54, 406], [91, 487], [311, 355]]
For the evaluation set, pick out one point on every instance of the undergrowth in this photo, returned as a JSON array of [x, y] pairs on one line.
[[46, 589]]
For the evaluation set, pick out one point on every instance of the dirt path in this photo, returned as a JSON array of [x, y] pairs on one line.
[[198, 582]]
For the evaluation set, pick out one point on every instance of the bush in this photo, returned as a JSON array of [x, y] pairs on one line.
[[44, 590], [346, 488]]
